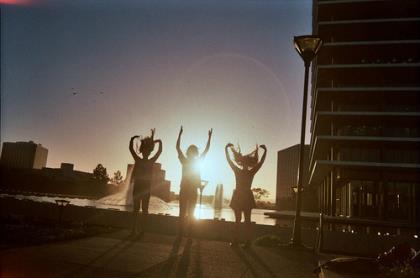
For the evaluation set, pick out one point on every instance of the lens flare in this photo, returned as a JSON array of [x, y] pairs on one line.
[[16, 2]]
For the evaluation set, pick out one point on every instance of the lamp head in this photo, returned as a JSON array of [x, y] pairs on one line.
[[307, 47]]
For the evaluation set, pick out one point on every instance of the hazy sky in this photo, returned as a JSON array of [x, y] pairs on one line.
[[226, 65]]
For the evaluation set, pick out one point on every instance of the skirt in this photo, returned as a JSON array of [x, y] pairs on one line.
[[242, 199]]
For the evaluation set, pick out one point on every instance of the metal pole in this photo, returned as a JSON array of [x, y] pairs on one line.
[[296, 236]]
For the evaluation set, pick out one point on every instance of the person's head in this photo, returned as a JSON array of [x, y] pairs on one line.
[[245, 161], [192, 152], [146, 147]]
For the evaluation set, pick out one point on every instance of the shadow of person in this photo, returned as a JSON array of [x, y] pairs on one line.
[[120, 250], [120, 244], [163, 268], [260, 261], [184, 262], [173, 255], [245, 260], [197, 272]]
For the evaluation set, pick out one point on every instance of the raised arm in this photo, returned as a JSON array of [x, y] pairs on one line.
[[131, 148], [206, 150], [181, 156], [258, 166], [156, 156], [229, 160]]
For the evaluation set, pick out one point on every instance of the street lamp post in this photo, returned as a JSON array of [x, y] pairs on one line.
[[307, 47]]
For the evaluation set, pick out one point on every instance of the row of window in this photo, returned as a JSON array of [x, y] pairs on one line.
[[394, 199], [379, 155], [377, 200], [375, 130], [346, 60], [377, 107]]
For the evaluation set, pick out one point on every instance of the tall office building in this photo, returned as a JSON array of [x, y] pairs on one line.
[[23, 155], [287, 171], [365, 120]]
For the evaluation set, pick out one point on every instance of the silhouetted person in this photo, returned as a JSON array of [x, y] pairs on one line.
[[191, 179], [142, 177], [243, 199]]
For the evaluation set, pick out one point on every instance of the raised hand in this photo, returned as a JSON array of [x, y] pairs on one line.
[[229, 145], [210, 132], [180, 131], [153, 132]]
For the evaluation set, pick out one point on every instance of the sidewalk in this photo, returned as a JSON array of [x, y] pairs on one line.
[[153, 255]]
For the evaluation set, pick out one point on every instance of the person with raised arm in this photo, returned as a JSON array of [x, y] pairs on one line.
[[243, 199], [142, 178], [190, 181]]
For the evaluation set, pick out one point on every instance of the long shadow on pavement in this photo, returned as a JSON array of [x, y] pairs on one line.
[[166, 266], [198, 272], [245, 260], [260, 261], [120, 244], [184, 262], [173, 255], [162, 269]]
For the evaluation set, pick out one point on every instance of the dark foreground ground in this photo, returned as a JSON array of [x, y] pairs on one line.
[[115, 254]]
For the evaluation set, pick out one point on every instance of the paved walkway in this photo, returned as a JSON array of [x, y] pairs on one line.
[[153, 255]]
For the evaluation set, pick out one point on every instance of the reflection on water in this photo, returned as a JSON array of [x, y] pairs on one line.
[[156, 206]]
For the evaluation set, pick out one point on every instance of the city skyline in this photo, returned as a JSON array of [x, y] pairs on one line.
[[82, 79]]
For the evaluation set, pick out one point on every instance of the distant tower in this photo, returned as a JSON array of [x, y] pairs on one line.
[[218, 197]]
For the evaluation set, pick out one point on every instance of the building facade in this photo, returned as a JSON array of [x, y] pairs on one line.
[[365, 117], [287, 171], [28, 155]]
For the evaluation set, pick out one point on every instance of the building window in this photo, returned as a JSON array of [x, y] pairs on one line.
[[397, 200], [364, 199], [359, 154]]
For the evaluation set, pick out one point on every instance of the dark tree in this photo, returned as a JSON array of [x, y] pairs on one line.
[[100, 173], [118, 178]]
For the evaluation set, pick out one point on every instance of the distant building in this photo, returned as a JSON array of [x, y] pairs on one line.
[[67, 172], [28, 155], [64, 181], [365, 120], [287, 171]]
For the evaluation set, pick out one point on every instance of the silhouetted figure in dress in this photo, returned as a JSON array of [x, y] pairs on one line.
[[243, 199], [142, 177], [191, 180]]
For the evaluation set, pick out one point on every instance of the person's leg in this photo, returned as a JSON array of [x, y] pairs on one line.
[[191, 202], [247, 226], [144, 210], [236, 230], [136, 208], [182, 210]]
